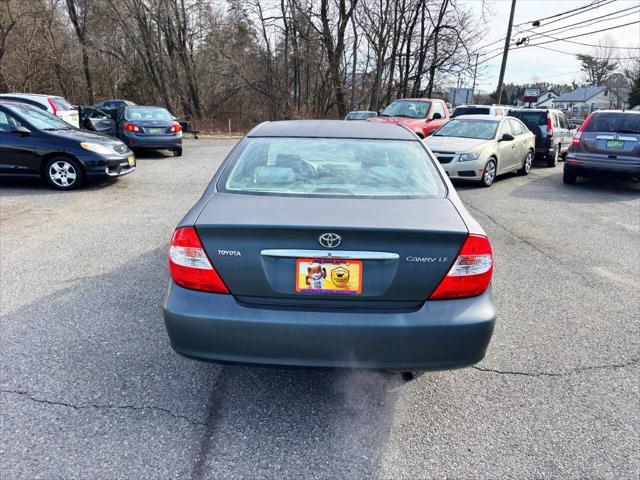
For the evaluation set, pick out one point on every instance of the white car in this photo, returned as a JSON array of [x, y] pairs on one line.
[[493, 110], [481, 147], [53, 104]]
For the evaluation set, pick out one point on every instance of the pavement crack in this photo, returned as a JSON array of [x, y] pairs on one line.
[[575, 371], [137, 408]]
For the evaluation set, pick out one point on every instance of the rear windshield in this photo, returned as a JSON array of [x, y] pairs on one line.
[[614, 123], [61, 103], [470, 111], [147, 113], [530, 119], [360, 115], [333, 168]]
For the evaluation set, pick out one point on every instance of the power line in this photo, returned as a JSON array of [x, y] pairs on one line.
[[586, 23], [566, 39], [596, 4]]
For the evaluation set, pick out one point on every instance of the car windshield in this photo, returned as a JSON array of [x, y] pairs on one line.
[[407, 108], [334, 168], [470, 111], [468, 128], [614, 123], [360, 115], [40, 119], [147, 113]]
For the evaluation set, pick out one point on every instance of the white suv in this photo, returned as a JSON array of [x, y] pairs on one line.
[[55, 105]]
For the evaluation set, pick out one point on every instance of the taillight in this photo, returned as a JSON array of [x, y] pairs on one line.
[[471, 272], [189, 265], [578, 135], [176, 127], [549, 126], [54, 109], [132, 127]]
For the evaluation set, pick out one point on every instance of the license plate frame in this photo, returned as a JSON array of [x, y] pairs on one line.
[[155, 131], [615, 144], [326, 276]]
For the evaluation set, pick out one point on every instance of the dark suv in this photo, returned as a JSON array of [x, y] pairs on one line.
[[607, 142], [552, 130]]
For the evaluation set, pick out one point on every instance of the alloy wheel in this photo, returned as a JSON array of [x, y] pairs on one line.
[[489, 173], [62, 173]]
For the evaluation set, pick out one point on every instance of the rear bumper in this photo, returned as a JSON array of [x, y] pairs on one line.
[[148, 141], [439, 335], [583, 165]]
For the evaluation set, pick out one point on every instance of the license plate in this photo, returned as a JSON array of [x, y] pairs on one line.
[[615, 144], [155, 131], [132, 160], [329, 276]]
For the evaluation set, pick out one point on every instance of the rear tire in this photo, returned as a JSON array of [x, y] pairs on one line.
[[177, 152], [569, 177], [63, 173], [526, 164], [553, 160], [489, 174]]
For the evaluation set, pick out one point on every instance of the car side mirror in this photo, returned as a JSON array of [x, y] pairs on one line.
[[23, 131], [436, 116], [507, 137]]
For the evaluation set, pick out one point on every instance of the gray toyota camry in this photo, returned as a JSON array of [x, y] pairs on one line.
[[331, 244]]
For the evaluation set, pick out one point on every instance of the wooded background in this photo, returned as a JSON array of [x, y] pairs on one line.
[[248, 60]]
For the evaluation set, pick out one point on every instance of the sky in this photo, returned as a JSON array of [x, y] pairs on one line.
[[535, 64]]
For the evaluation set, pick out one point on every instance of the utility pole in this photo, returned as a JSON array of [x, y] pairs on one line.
[[507, 41], [475, 76]]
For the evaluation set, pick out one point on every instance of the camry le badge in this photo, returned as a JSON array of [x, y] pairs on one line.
[[330, 240]]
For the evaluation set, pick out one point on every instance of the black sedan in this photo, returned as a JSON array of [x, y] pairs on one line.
[[34, 142], [324, 246]]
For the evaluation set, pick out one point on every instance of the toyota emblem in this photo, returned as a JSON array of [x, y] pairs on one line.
[[330, 240]]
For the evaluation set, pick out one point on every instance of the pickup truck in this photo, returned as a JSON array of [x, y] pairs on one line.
[[421, 115]]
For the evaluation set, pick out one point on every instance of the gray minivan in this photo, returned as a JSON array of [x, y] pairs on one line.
[[552, 130], [607, 142]]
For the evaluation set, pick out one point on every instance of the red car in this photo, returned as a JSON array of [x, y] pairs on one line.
[[421, 115]]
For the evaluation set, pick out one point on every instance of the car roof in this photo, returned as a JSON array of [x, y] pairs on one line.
[[477, 106], [632, 112], [332, 129], [29, 95], [479, 116]]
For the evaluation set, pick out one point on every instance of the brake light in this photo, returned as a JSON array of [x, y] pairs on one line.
[[132, 127], [471, 272], [175, 128], [53, 107], [189, 265], [578, 135], [549, 126]]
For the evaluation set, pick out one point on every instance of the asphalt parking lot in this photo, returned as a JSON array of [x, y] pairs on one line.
[[91, 388]]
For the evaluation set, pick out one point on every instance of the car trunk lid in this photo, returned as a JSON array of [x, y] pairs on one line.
[[405, 246]]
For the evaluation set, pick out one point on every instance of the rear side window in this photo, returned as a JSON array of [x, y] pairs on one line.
[[333, 167], [615, 122], [470, 111], [437, 108], [517, 127], [61, 103]]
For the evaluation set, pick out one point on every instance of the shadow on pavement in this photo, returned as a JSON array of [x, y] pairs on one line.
[[586, 190], [99, 340]]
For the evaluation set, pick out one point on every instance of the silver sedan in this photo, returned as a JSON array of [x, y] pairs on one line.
[[481, 147]]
